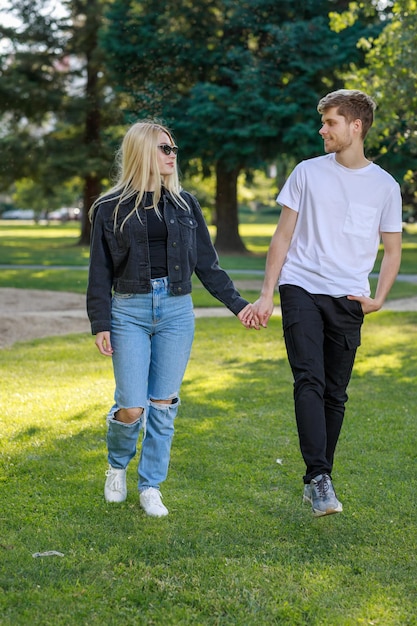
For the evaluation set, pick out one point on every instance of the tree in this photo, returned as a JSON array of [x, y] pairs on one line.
[[390, 75], [59, 113], [238, 81]]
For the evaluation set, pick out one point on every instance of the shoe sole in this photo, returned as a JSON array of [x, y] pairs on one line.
[[163, 512], [318, 513], [115, 501], [154, 514]]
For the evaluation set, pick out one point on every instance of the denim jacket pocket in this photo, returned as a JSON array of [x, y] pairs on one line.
[[117, 240], [188, 226]]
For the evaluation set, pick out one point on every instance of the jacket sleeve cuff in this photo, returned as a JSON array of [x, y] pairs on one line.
[[238, 305], [100, 326]]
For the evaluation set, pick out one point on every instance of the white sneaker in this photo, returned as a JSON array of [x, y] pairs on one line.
[[151, 502], [115, 488]]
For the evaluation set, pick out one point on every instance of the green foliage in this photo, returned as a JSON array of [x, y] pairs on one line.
[[238, 547], [60, 118], [26, 63], [202, 185], [30, 194], [390, 75], [255, 190], [249, 72], [237, 81]]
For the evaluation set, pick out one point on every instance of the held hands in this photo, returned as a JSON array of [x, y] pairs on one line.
[[246, 316], [257, 314], [263, 308], [103, 343]]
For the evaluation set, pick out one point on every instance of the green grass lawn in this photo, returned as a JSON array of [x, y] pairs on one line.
[[40, 244], [239, 547], [55, 245]]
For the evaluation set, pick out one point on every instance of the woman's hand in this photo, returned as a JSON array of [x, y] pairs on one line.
[[103, 343], [246, 317]]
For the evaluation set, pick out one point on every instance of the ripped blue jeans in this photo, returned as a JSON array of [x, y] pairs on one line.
[[151, 336]]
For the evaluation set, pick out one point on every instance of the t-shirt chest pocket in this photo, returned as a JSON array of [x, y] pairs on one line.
[[359, 220]]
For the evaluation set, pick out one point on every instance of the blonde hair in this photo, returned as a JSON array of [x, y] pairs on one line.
[[137, 165], [352, 104]]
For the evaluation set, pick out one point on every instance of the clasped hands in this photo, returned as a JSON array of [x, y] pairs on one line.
[[256, 315]]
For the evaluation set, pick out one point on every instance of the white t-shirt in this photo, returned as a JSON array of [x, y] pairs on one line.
[[341, 213]]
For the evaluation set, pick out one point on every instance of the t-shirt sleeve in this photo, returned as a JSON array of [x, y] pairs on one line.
[[290, 194], [391, 218]]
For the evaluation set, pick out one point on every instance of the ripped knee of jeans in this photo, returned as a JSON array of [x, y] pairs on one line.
[[128, 417], [165, 404]]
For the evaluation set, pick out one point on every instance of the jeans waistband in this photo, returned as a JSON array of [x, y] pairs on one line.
[[158, 283]]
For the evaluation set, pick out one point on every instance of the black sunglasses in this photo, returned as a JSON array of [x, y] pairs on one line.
[[167, 149]]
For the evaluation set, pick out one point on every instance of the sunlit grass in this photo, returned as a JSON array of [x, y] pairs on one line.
[[238, 547], [42, 244], [410, 229], [17, 230], [383, 353], [54, 280]]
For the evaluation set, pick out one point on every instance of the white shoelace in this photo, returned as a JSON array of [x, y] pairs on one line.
[[116, 482]]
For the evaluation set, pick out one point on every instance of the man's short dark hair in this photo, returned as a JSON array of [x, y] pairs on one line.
[[352, 104]]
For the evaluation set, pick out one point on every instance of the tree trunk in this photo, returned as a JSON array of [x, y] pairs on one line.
[[92, 186], [92, 189], [227, 222]]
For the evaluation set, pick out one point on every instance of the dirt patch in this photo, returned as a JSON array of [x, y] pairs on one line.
[[27, 314]]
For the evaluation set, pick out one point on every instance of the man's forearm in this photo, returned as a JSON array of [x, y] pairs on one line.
[[387, 275], [273, 268], [390, 266], [278, 250]]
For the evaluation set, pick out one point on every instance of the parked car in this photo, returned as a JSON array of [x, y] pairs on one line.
[[18, 214], [64, 214]]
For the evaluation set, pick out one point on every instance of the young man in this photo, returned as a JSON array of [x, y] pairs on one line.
[[336, 208]]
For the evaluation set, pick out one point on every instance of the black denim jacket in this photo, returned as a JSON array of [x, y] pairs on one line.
[[119, 260]]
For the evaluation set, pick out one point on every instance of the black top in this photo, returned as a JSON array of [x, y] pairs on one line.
[[157, 241]]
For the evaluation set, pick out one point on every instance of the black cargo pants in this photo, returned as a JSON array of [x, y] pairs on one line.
[[322, 334]]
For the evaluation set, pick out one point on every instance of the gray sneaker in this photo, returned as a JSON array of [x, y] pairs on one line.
[[307, 494], [323, 497], [115, 488]]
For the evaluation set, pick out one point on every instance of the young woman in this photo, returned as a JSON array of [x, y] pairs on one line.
[[148, 237]]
